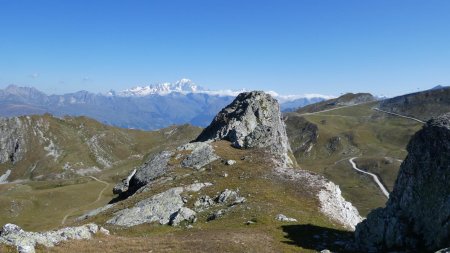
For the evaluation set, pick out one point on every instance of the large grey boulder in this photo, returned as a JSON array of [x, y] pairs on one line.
[[155, 167], [183, 214], [252, 120], [163, 208], [417, 215]]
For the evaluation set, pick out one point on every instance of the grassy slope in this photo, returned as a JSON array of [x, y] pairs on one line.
[[363, 133], [41, 205], [266, 196]]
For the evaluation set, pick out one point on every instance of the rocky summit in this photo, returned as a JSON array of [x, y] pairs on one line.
[[417, 215], [252, 120]]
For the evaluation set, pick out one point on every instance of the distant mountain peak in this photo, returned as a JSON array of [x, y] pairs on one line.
[[182, 86], [24, 92]]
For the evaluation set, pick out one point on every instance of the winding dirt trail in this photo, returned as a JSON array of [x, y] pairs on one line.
[[399, 115], [98, 199], [375, 178]]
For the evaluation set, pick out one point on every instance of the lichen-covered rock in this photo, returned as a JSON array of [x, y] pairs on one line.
[[158, 208], [202, 154], [26, 241], [196, 187], [252, 120], [161, 208], [183, 214], [230, 196], [203, 202], [417, 215], [149, 171]]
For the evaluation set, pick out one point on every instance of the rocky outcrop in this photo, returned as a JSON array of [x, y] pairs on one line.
[[183, 214], [252, 120], [417, 215], [202, 154], [12, 140], [203, 202], [164, 208], [26, 241], [149, 171], [332, 204], [230, 197], [336, 207]]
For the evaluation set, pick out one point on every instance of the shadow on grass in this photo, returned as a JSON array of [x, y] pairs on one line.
[[317, 238]]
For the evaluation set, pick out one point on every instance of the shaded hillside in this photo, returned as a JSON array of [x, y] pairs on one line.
[[422, 105], [347, 99]]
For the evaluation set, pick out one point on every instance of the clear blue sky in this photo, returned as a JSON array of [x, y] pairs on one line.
[[301, 46]]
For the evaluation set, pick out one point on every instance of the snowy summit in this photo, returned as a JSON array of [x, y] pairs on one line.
[[181, 86]]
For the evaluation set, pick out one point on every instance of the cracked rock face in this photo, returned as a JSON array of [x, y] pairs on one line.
[[417, 215], [12, 142], [149, 171], [252, 120]]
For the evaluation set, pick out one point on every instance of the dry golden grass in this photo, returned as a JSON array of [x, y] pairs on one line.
[[243, 240]]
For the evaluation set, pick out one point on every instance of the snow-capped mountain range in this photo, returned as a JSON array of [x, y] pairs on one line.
[[185, 86], [182, 86], [142, 107]]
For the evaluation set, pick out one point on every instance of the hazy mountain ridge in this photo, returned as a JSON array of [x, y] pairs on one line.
[[147, 108]]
